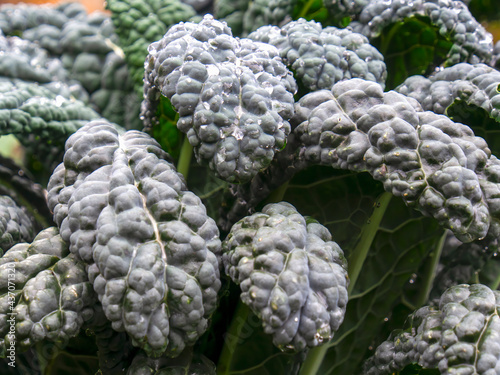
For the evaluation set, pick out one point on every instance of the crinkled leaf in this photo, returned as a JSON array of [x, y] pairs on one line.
[[245, 16], [52, 297], [342, 9], [474, 84], [466, 93], [25, 60], [398, 244], [140, 23], [111, 183], [234, 96], [415, 36], [460, 334], [85, 45], [283, 262], [27, 108], [437, 166], [331, 55], [16, 18]]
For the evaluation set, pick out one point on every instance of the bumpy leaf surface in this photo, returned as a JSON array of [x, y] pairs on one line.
[[292, 275], [345, 8], [139, 23], [27, 109], [15, 224], [245, 16], [150, 246], [460, 336], [234, 96], [15, 18], [321, 57], [472, 43], [25, 60], [85, 44], [45, 293], [435, 165], [474, 84]]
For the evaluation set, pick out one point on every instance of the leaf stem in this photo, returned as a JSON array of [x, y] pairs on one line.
[[496, 283], [360, 251], [386, 39], [305, 9], [430, 271], [185, 158], [358, 256], [313, 360], [232, 338]]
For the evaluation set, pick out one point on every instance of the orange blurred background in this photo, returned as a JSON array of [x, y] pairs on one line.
[[91, 5]]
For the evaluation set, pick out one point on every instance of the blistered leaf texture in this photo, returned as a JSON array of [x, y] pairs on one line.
[[140, 23], [41, 119], [15, 224], [234, 96], [150, 246], [245, 16], [292, 275], [18, 18], [472, 43], [85, 45], [460, 336], [321, 57], [434, 164], [475, 84], [25, 60], [345, 8], [45, 293]]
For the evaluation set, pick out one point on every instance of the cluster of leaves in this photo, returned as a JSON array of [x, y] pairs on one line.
[[341, 213]]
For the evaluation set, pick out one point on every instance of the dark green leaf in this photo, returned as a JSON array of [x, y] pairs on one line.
[[413, 46], [165, 130], [345, 203]]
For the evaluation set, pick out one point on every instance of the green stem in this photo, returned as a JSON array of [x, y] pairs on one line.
[[430, 271], [496, 283], [386, 39], [313, 360], [360, 252], [358, 256], [185, 158], [232, 338], [305, 9]]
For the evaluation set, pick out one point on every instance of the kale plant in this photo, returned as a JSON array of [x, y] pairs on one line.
[[250, 187]]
